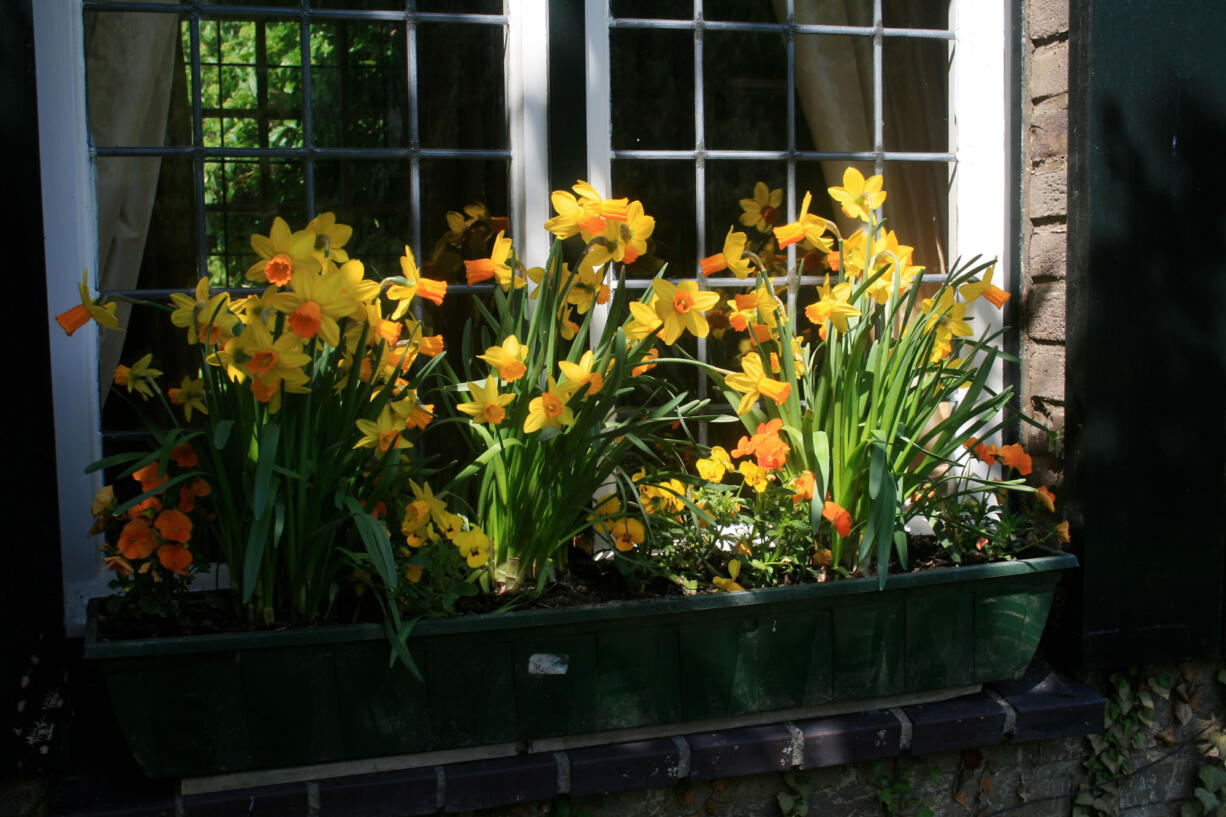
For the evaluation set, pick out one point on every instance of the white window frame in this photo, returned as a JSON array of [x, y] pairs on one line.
[[978, 206]]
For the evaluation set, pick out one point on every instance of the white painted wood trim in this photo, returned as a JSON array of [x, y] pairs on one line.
[[528, 80], [71, 246], [980, 94]]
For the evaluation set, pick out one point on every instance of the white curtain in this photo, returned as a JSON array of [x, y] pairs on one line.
[[834, 81], [130, 61]]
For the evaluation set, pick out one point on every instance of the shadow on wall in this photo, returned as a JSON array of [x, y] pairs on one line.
[[1147, 405]]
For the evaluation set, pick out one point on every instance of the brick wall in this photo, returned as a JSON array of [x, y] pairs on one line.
[[1044, 223]]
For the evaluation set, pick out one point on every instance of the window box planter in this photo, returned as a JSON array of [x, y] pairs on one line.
[[220, 703]]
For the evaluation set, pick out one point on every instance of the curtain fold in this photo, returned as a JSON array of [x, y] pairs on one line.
[[834, 84], [130, 60]]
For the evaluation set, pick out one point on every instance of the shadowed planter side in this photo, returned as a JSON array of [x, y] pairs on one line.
[[219, 703]]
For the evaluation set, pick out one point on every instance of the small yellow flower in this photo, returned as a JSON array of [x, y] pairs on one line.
[[139, 377], [550, 409], [474, 546], [762, 211], [507, 359], [626, 533], [383, 433], [682, 306], [859, 197], [729, 585], [487, 405], [752, 382]]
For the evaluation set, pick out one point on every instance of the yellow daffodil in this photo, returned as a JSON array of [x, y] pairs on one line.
[[189, 395], [79, 315], [272, 359], [357, 286], [332, 235], [496, 266], [643, 320], [730, 258], [425, 508], [507, 359], [414, 414], [587, 288], [623, 240], [859, 197], [282, 254], [550, 409], [206, 319], [138, 377], [762, 211], [947, 315], [681, 307], [752, 382], [313, 303], [807, 226], [580, 374], [992, 294], [487, 405], [383, 433], [833, 306], [411, 283]]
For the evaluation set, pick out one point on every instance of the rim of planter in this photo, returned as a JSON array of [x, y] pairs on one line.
[[1050, 561]]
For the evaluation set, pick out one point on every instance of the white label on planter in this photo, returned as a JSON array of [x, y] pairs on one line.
[[544, 663]]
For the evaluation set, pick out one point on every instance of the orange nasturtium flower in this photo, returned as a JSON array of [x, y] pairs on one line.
[[136, 540], [766, 446], [838, 517], [1014, 456], [175, 526], [507, 359], [148, 477], [681, 306], [79, 315], [487, 405], [859, 197], [175, 557], [282, 254], [1047, 499], [184, 455], [803, 486], [1062, 532]]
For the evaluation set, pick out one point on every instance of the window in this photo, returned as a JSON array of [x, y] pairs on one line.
[[381, 115]]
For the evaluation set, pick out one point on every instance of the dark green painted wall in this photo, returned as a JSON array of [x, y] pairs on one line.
[[1147, 327]]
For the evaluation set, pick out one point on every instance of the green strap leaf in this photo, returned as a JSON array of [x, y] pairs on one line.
[[264, 468], [221, 433], [375, 539]]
